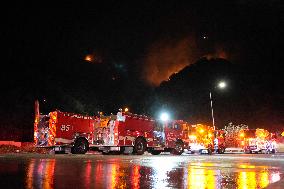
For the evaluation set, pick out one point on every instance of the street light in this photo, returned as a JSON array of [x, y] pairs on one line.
[[221, 85], [164, 116]]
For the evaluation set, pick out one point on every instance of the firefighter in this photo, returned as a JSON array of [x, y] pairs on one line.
[[104, 135], [111, 131], [273, 146], [270, 146], [43, 137], [216, 145]]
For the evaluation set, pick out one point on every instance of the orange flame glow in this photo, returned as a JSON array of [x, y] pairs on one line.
[[93, 58], [89, 58], [166, 57]]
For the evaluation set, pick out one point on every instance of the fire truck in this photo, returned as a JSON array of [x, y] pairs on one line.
[[198, 139], [201, 139], [121, 133], [258, 141], [132, 133]]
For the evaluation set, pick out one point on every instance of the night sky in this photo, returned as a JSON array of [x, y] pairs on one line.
[[133, 49]]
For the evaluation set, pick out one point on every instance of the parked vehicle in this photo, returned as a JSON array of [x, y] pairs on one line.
[[258, 141], [132, 133], [121, 133], [200, 139]]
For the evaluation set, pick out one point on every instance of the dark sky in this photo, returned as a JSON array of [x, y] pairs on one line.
[[125, 31], [129, 33], [144, 42]]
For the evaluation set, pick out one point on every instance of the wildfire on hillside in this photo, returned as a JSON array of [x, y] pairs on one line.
[[167, 57]]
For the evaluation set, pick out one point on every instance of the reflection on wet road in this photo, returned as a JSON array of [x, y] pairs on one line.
[[164, 171]]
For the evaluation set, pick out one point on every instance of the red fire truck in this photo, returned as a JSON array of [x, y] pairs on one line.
[[201, 139], [63, 131], [132, 133], [121, 133], [258, 141]]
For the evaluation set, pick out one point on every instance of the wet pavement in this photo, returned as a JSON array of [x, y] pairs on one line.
[[147, 171]]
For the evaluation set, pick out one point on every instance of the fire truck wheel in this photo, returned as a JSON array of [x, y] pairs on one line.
[[140, 146], [221, 151], [248, 151], [273, 151], [178, 150], [80, 147], [209, 152], [155, 152]]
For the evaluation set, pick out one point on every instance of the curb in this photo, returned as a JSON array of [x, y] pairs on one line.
[[234, 150]]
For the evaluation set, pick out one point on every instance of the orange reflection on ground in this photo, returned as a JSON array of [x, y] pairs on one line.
[[99, 170], [263, 179], [201, 178], [49, 174], [245, 166], [113, 175], [117, 176], [29, 176], [88, 173], [42, 176], [246, 180], [252, 177], [136, 177]]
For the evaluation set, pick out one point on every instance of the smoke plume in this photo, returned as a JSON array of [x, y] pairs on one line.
[[166, 57]]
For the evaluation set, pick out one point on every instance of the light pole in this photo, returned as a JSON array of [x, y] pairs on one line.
[[221, 85], [212, 111]]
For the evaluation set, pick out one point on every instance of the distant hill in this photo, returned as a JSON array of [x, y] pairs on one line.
[[248, 99]]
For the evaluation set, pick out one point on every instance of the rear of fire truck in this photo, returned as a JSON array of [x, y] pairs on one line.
[[44, 130], [203, 139], [63, 131], [200, 138], [259, 141]]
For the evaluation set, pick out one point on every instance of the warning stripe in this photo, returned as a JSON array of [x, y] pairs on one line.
[[36, 121], [52, 128], [35, 132]]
